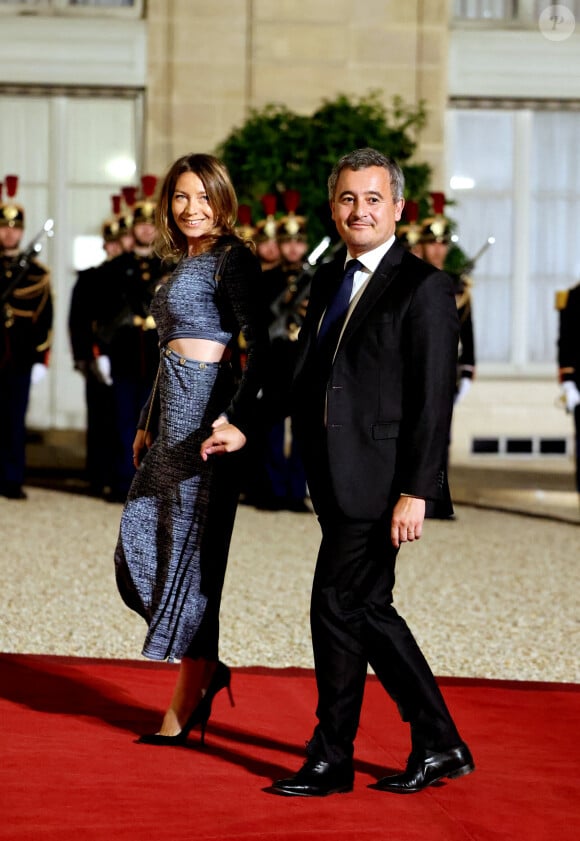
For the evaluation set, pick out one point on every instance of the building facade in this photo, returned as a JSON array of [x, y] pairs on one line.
[[94, 93]]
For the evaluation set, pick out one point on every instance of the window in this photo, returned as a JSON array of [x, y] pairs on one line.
[[481, 144], [542, 5], [72, 154], [521, 13], [516, 175], [124, 7], [109, 3], [502, 10]]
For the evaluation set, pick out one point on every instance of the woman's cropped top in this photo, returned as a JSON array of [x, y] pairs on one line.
[[187, 304], [216, 296]]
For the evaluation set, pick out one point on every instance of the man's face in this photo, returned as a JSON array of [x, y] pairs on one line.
[[363, 208], [435, 253], [268, 250], [10, 237], [293, 250], [112, 248], [144, 233], [127, 242]]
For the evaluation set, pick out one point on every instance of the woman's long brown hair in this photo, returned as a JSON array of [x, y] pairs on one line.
[[170, 241]]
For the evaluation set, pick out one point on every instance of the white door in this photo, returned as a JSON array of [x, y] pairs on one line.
[[71, 154]]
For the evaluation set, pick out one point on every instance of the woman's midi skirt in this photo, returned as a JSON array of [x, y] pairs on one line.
[[163, 555]]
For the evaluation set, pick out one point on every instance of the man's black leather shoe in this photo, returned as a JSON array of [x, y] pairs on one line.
[[427, 767], [317, 778]]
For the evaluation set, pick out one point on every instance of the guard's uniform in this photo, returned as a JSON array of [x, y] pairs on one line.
[[101, 439], [126, 331], [409, 229], [466, 352], [285, 289], [127, 335], [26, 318], [265, 234], [433, 236], [568, 304]]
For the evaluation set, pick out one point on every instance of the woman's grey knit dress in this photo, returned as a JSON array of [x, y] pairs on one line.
[[171, 552]]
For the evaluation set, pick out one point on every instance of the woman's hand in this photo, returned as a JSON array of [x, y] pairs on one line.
[[141, 444], [225, 438]]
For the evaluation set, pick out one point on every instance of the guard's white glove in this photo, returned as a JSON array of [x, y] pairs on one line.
[[103, 367], [463, 389], [38, 372], [571, 395]]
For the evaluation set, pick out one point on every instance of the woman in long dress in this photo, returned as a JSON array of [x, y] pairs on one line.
[[177, 521]]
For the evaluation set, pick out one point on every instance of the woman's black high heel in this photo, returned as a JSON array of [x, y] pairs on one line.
[[221, 679]]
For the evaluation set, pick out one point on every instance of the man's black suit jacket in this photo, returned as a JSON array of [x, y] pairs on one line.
[[389, 397]]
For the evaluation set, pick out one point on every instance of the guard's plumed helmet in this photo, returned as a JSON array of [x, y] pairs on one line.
[[266, 227], [144, 208], [11, 213], [436, 228], [291, 226], [111, 230]]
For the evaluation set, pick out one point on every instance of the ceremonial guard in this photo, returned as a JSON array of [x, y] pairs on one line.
[[409, 231], [248, 232], [90, 361], [125, 218], [435, 239], [26, 314], [434, 247], [286, 290], [568, 305], [254, 483], [266, 234], [244, 226], [127, 333]]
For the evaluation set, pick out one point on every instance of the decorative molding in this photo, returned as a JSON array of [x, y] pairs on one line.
[[66, 51], [512, 64], [512, 104]]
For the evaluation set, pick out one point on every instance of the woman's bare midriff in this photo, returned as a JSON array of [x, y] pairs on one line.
[[203, 350]]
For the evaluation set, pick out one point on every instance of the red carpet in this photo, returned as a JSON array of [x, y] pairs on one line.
[[70, 770]]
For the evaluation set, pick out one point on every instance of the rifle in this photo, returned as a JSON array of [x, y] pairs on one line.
[[470, 265], [287, 318], [20, 266]]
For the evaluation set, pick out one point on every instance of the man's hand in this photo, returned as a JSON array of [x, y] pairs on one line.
[[225, 438], [407, 520]]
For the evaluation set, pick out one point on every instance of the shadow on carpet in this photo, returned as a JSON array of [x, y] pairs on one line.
[[71, 768]]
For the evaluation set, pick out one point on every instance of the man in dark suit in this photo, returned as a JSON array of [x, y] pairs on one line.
[[372, 412], [373, 394]]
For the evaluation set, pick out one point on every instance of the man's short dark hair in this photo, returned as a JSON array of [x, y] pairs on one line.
[[363, 158]]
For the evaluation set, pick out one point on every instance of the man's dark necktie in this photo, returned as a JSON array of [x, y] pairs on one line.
[[333, 322], [338, 306]]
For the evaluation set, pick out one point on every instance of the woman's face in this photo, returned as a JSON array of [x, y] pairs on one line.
[[191, 210]]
